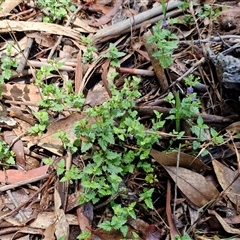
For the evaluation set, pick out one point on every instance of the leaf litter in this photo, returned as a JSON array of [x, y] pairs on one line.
[[195, 195]]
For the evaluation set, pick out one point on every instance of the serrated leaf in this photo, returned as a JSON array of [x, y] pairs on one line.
[[85, 146]]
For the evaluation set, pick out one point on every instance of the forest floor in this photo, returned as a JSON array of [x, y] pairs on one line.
[[120, 119]]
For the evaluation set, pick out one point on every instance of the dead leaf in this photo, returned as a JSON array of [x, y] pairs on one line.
[[172, 225], [153, 233], [97, 96], [84, 222], [7, 6], [225, 226], [49, 232], [225, 178], [193, 185], [21, 26], [186, 160], [15, 176], [51, 143], [43, 39], [45, 219], [21, 92], [234, 128], [61, 223], [108, 17]]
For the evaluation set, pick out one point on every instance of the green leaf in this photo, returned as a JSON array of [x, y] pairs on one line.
[[124, 230], [61, 167], [106, 225], [85, 146]]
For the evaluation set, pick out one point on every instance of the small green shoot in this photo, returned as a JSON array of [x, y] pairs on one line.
[[114, 55], [6, 155], [166, 42]]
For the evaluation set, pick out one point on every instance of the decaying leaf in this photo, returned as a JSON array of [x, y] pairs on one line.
[[225, 226], [20, 26], [21, 92], [49, 141], [61, 223], [225, 178], [186, 160], [14, 176], [193, 185]]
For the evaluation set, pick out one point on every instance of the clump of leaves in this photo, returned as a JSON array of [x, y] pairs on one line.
[[8, 62], [115, 123], [187, 107], [166, 42], [114, 55], [54, 97], [6, 155], [88, 55], [57, 8]]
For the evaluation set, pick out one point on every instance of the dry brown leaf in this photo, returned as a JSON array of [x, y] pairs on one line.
[[20, 197], [21, 26], [234, 128], [225, 178], [107, 18], [83, 26], [43, 39], [7, 6], [51, 143], [45, 219], [225, 226], [78, 72], [49, 232], [84, 223], [21, 92], [193, 185], [97, 96], [186, 160], [15, 176], [153, 233], [172, 225], [61, 223]]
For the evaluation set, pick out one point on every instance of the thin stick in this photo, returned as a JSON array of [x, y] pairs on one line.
[[130, 22]]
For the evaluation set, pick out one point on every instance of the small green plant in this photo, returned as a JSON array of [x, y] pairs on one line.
[[207, 11], [43, 119], [115, 123], [185, 108], [188, 108], [6, 155], [166, 42], [84, 235], [184, 237], [57, 8], [8, 62], [146, 196], [114, 55], [54, 98], [88, 55], [119, 218]]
